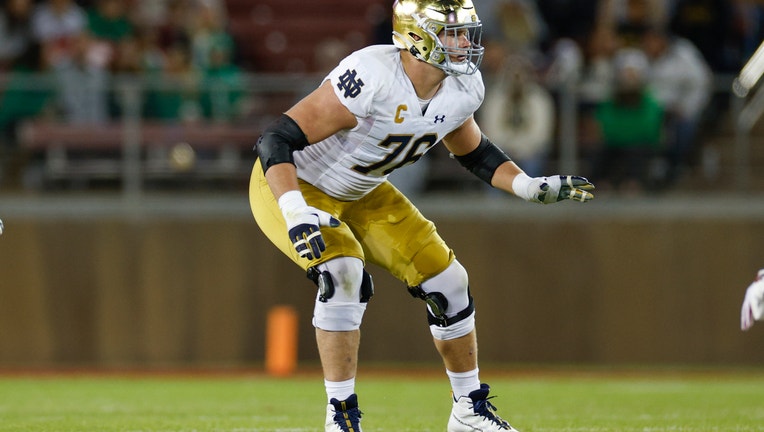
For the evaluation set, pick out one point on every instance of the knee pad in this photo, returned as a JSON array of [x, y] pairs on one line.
[[450, 309], [344, 289]]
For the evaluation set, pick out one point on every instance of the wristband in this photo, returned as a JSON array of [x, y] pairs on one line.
[[291, 201], [521, 186]]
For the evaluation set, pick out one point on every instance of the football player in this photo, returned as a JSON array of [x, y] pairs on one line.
[[753, 302], [320, 193]]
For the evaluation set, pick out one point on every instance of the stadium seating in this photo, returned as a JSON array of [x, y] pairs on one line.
[[282, 35], [88, 152]]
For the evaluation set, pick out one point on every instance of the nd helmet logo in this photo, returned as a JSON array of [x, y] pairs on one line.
[[350, 84]]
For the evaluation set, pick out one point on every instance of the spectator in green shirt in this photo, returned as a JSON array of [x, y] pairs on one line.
[[20, 99], [108, 21], [174, 93], [631, 127], [223, 92]]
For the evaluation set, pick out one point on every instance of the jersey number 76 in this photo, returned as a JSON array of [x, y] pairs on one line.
[[414, 149]]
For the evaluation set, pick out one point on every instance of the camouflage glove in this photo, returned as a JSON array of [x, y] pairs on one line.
[[547, 190]]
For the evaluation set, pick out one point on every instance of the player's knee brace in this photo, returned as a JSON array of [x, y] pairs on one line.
[[344, 288], [450, 309]]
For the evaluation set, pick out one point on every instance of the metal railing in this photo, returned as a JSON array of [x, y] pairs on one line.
[[268, 95], [125, 131]]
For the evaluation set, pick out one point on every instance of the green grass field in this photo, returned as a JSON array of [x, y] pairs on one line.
[[532, 401]]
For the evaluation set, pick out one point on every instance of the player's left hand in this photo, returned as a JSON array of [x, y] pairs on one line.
[[753, 303], [547, 190], [562, 187]]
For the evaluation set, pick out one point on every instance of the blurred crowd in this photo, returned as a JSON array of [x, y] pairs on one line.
[[645, 73], [182, 45], [643, 70]]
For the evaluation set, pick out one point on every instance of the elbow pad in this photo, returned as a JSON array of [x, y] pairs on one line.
[[484, 160], [278, 141]]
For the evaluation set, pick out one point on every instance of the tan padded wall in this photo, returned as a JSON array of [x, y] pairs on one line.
[[169, 291]]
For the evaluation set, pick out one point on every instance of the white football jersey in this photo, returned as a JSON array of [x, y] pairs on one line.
[[392, 130]]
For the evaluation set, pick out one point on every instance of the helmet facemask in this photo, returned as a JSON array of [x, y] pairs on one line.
[[448, 54], [446, 34]]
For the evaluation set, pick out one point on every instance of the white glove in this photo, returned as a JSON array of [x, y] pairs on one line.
[[753, 303], [547, 190], [303, 224]]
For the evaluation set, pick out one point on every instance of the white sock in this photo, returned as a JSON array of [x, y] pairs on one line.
[[462, 383], [339, 390]]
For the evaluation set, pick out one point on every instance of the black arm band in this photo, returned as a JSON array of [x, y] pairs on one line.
[[484, 160], [278, 141]]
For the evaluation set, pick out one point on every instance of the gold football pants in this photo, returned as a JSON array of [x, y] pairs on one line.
[[383, 228]]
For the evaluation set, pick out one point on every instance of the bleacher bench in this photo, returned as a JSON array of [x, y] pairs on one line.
[[98, 151]]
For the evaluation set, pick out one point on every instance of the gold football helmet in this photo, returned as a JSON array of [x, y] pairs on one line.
[[437, 32]]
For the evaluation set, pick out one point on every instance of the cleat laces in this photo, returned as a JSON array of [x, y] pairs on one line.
[[486, 409], [348, 420]]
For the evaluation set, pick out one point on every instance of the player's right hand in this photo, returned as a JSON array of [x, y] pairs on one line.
[[303, 224], [753, 303]]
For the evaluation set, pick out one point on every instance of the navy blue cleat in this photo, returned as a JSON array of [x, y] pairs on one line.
[[343, 416]]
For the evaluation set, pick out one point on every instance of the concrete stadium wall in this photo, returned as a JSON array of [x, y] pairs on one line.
[[571, 287]]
